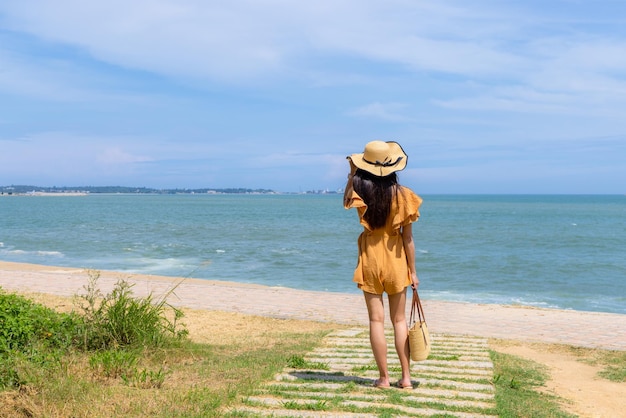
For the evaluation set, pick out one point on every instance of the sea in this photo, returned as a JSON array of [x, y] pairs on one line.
[[550, 251]]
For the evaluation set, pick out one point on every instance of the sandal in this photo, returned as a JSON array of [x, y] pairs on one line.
[[401, 386], [379, 386]]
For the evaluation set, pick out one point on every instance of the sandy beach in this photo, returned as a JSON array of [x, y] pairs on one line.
[[584, 329]]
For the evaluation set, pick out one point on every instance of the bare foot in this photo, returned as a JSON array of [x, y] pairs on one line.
[[381, 383], [404, 384]]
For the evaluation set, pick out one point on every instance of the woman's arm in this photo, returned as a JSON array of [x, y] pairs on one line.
[[409, 249], [347, 193]]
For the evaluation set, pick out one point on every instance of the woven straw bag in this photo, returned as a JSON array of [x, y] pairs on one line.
[[419, 337]]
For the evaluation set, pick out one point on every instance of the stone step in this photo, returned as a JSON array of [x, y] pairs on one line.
[[423, 411], [375, 398], [276, 402], [460, 364], [290, 413], [371, 375], [391, 361], [458, 376], [367, 352], [448, 383], [425, 368], [419, 370], [328, 386]]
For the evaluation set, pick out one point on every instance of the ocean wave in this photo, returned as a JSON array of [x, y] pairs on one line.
[[50, 253], [490, 298], [179, 267], [12, 254], [39, 253], [613, 304]]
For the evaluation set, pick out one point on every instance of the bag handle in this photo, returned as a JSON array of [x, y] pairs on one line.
[[416, 309]]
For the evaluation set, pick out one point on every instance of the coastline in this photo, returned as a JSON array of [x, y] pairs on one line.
[[37, 194], [510, 322]]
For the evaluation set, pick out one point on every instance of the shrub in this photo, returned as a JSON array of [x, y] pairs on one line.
[[35, 338], [25, 324], [31, 334], [9, 377], [121, 320], [112, 363]]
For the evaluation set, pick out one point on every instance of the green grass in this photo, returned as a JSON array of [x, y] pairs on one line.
[[516, 381], [126, 356], [613, 363], [297, 361], [121, 320], [615, 367]]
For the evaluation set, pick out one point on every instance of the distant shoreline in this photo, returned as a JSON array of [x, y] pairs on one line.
[[48, 194], [28, 190]]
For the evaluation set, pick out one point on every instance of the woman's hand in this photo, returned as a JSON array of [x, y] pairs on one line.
[[347, 193], [415, 281], [353, 167]]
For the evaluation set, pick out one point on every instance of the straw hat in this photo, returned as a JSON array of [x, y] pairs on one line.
[[380, 158]]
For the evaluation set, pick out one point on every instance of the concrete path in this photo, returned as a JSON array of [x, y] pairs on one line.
[[586, 329], [456, 381]]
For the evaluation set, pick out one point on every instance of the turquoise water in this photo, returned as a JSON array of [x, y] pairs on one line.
[[550, 251]]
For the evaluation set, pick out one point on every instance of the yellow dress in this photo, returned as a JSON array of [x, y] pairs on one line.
[[382, 264]]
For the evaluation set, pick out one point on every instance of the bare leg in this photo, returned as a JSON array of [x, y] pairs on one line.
[[376, 312], [397, 306]]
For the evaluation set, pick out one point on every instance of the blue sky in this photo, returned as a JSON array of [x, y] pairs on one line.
[[485, 96]]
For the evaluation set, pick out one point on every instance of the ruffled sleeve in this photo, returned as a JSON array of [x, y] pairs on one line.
[[408, 204], [353, 200]]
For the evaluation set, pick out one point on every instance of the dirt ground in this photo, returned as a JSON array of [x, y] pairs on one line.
[[584, 393]]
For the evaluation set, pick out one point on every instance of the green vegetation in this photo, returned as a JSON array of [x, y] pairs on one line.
[[613, 363], [118, 355], [615, 366], [120, 320], [516, 381], [112, 333], [299, 362], [31, 336], [124, 356]]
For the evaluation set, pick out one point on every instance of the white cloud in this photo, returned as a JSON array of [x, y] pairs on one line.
[[240, 39], [391, 112], [240, 82], [116, 155], [59, 156], [245, 39], [189, 38]]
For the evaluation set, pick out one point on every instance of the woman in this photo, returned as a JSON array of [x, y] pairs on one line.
[[386, 261]]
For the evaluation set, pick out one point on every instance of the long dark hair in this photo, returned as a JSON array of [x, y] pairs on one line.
[[377, 193]]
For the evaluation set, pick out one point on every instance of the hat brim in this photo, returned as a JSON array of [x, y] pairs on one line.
[[396, 154]]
